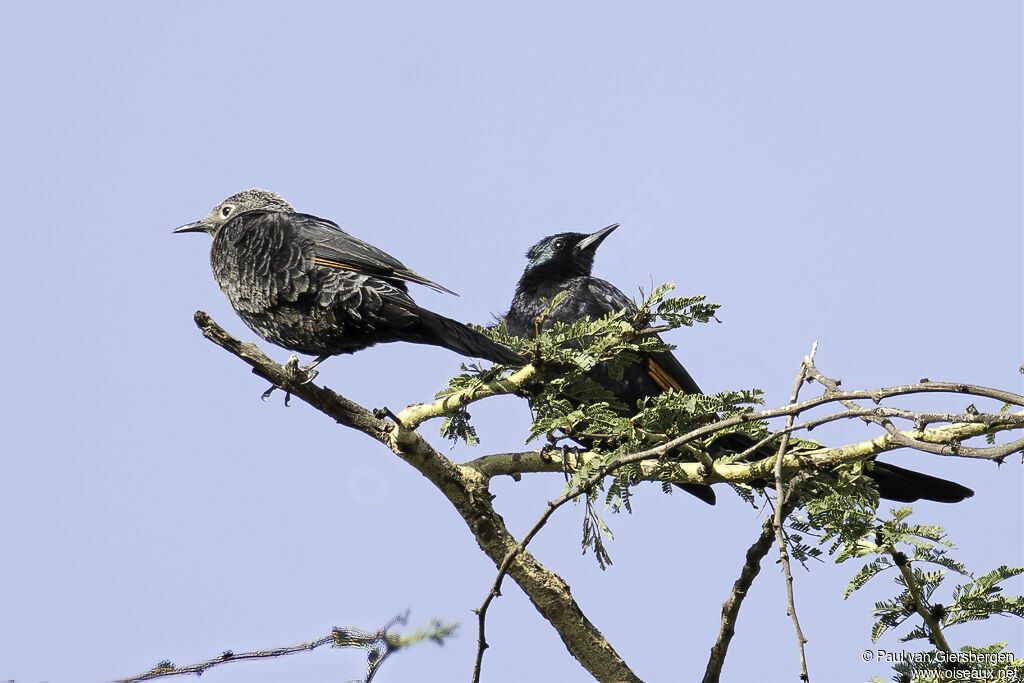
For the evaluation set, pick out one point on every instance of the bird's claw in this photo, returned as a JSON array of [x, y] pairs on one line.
[[268, 392], [299, 375], [302, 375]]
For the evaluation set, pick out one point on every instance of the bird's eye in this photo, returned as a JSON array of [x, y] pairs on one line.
[[226, 211], [559, 244]]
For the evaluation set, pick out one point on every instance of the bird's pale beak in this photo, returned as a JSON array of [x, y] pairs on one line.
[[198, 226], [593, 241]]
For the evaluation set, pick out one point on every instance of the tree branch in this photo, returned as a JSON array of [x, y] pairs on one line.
[[466, 486], [466, 490], [783, 495], [380, 646], [506, 563], [515, 464], [415, 415], [732, 604], [934, 629]]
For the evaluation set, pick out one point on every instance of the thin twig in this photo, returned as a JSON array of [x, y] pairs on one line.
[[495, 591], [783, 496], [381, 644]]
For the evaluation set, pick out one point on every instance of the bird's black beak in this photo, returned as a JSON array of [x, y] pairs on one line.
[[593, 241], [198, 226]]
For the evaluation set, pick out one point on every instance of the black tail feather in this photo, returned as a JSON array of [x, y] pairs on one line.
[[451, 334], [893, 483], [908, 486], [702, 491]]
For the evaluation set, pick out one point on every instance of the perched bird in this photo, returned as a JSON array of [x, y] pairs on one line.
[[564, 262], [303, 283]]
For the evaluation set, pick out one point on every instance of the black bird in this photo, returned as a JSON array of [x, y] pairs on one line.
[[564, 262], [303, 283]]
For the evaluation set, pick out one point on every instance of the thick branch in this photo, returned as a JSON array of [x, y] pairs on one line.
[[344, 411], [944, 440], [732, 604], [415, 415], [503, 568], [466, 490]]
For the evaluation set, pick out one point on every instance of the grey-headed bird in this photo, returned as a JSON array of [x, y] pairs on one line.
[[303, 283]]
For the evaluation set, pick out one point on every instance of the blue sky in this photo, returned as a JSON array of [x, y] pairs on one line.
[[842, 172]]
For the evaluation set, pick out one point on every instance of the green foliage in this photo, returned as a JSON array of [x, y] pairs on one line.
[[570, 409], [887, 541], [838, 510], [842, 512], [896, 545], [800, 551], [981, 598], [456, 427], [594, 533]]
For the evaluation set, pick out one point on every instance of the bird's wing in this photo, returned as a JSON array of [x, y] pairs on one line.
[[663, 368], [335, 248], [599, 297], [668, 373]]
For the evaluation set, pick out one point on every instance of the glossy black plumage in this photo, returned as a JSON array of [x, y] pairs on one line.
[[303, 283], [565, 261]]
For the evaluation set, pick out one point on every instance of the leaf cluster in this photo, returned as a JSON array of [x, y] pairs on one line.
[[573, 411], [907, 549], [842, 512]]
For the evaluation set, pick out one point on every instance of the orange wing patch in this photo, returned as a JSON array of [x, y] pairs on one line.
[[334, 264], [660, 377]]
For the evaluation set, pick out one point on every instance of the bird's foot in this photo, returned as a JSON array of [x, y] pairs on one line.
[[270, 390], [300, 375]]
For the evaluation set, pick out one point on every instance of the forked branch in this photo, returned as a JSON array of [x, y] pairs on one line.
[[466, 490]]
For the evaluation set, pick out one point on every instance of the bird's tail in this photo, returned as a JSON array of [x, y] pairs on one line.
[[908, 486], [702, 491], [893, 483], [451, 334]]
